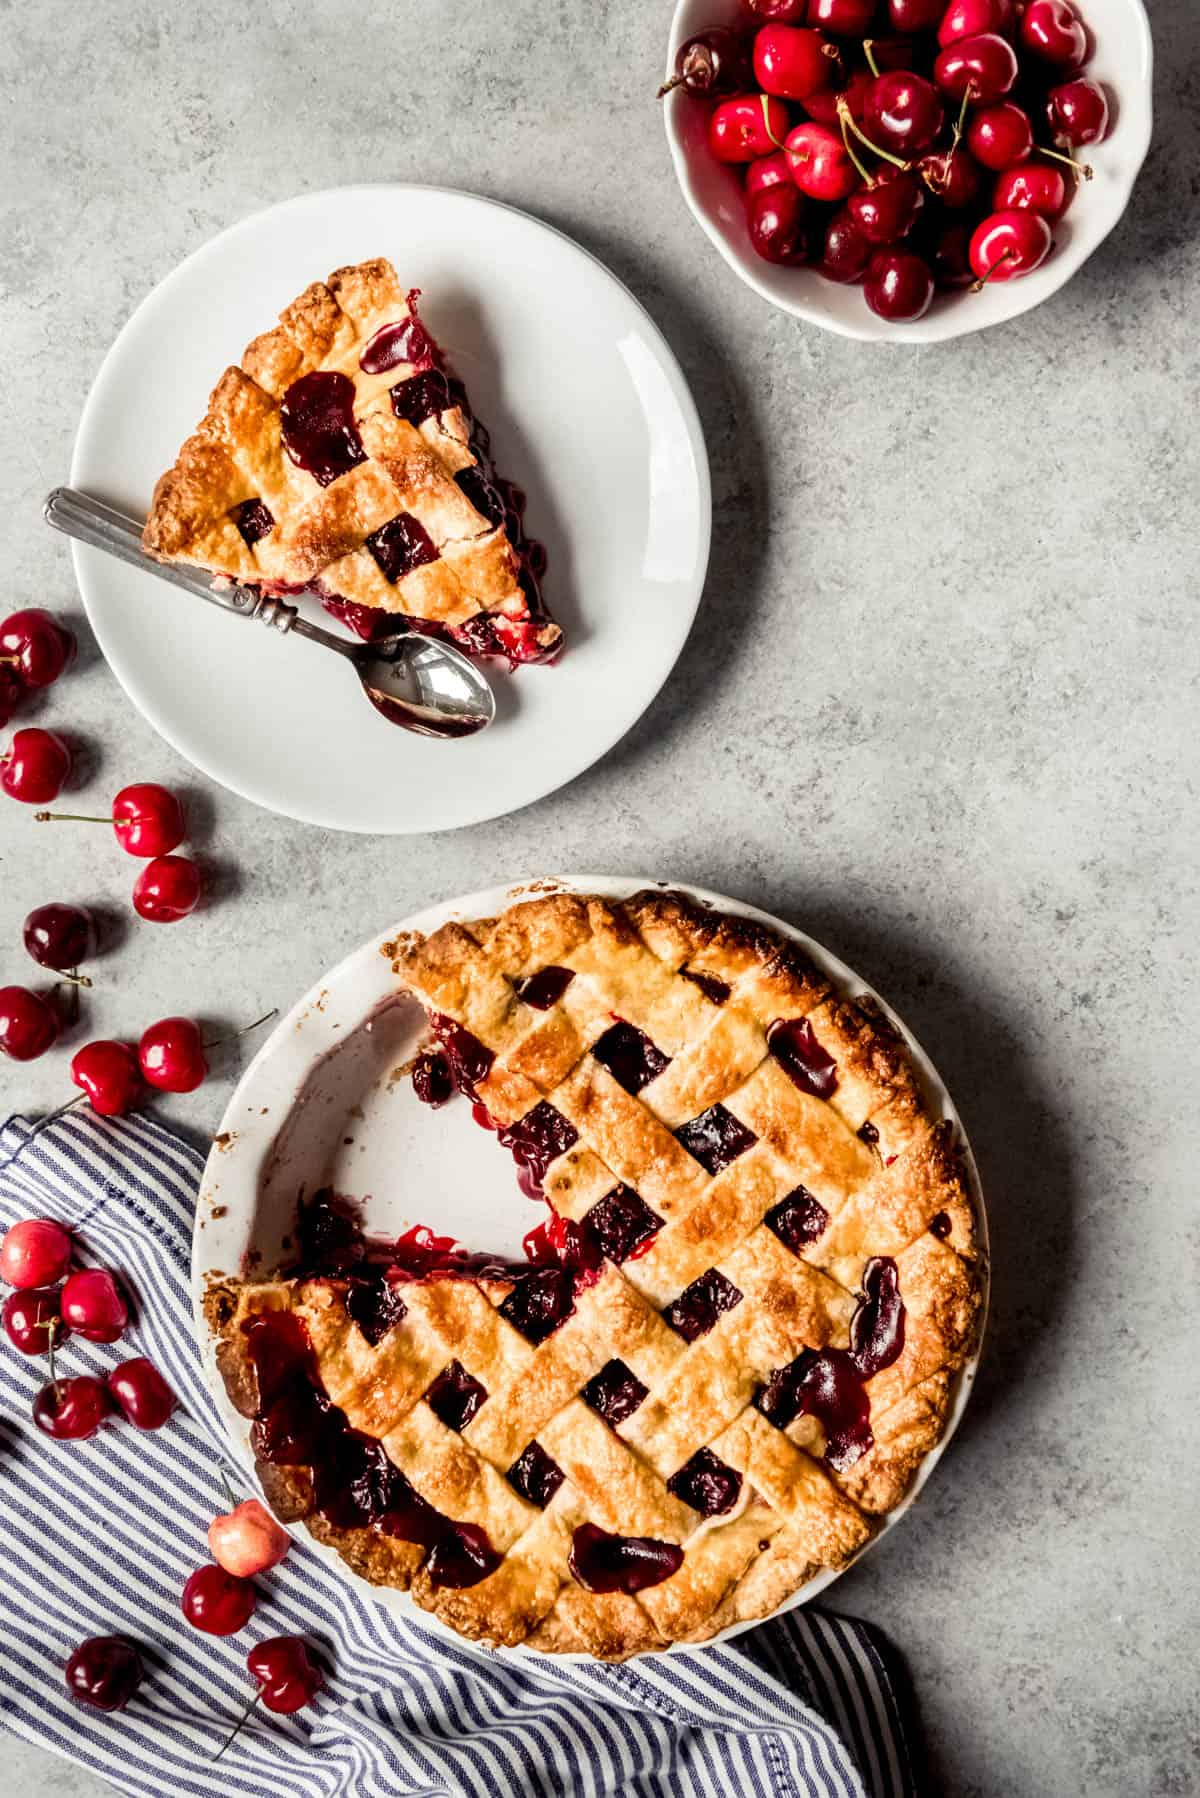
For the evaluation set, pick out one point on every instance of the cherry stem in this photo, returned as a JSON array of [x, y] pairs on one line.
[[869, 53], [61, 1112], [1081, 168], [237, 1726], [847, 118], [668, 86], [230, 1494], [216, 1041], [978, 286], [73, 976], [843, 115], [53, 1325], [762, 100], [961, 122], [67, 818]]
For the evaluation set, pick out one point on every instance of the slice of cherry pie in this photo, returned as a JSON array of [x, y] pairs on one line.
[[341, 458], [742, 1331]]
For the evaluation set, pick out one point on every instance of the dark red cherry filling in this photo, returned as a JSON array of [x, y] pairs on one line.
[[280, 1353], [316, 420], [359, 1487], [455, 1396], [827, 1386], [940, 1225], [406, 340], [615, 1392], [540, 1301], [707, 1484], [869, 1134], [535, 1476], [793, 1043], [798, 1219], [421, 396], [485, 498], [461, 1556], [621, 1223], [877, 1327], [715, 1138], [709, 985], [295, 1429], [545, 988], [432, 1080], [366, 622], [330, 1238], [606, 1563], [536, 1140], [253, 521], [699, 1305], [375, 1306], [401, 545], [630, 1057], [470, 1062]]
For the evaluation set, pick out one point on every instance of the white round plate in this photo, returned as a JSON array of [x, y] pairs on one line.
[[1122, 61], [588, 412], [321, 1105]]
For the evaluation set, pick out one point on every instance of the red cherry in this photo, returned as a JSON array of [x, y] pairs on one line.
[[887, 210], [12, 689], [1033, 187], [285, 1672], [783, 12], [1052, 29], [823, 107], [821, 164], [1001, 135], [768, 171], [915, 15], [171, 1055], [1008, 244], [791, 62], [894, 53], [776, 220], [903, 112], [35, 767], [36, 645], [951, 257], [247, 1540], [713, 62], [148, 819], [844, 18], [985, 66], [92, 1305], [739, 130], [28, 1024], [166, 889], [1077, 113], [217, 1602], [144, 1397], [104, 1672], [952, 176], [899, 286], [59, 936], [972, 18], [108, 1073], [71, 1410], [32, 1319], [846, 252], [35, 1252]]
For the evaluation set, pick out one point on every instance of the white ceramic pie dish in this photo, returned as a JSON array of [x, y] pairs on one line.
[[1123, 63], [320, 1106]]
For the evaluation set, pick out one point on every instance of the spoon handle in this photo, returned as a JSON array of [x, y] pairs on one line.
[[101, 526]]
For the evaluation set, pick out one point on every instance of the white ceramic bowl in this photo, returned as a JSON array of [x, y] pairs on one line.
[[1122, 62], [321, 1105]]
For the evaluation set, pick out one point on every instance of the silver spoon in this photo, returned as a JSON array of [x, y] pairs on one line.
[[414, 681]]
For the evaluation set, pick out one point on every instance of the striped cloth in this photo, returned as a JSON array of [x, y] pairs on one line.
[[98, 1537]]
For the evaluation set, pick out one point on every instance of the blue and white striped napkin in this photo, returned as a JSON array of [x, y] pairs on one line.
[[98, 1537]]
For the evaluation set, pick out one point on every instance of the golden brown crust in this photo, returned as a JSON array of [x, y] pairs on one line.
[[861, 1151]]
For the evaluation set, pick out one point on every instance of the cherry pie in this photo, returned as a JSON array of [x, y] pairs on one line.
[[738, 1335], [341, 458]]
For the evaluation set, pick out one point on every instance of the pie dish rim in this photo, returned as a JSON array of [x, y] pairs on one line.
[[317, 1023]]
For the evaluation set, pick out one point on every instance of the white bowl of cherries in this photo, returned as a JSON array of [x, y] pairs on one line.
[[908, 170]]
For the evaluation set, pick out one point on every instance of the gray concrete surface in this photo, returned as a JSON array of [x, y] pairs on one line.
[[939, 708]]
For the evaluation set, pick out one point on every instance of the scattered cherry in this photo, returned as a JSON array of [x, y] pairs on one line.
[[791, 62], [887, 210], [821, 164], [711, 63], [1053, 30], [60, 937], [846, 252], [104, 1672], [142, 1395], [35, 767], [903, 112], [899, 285], [171, 1055], [36, 646], [1008, 244], [35, 1252], [147, 819], [739, 130], [975, 18], [28, 1024], [32, 1319], [984, 66], [247, 1540], [1001, 135], [217, 1602], [72, 1410], [1077, 112], [92, 1305], [1033, 187], [166, 889], [776, 221], [287, 1676], [108, 1073]]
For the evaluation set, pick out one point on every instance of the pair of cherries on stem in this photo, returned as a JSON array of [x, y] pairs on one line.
[[34, 650], [170, 1057], [148, 821], [105, 1672]]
